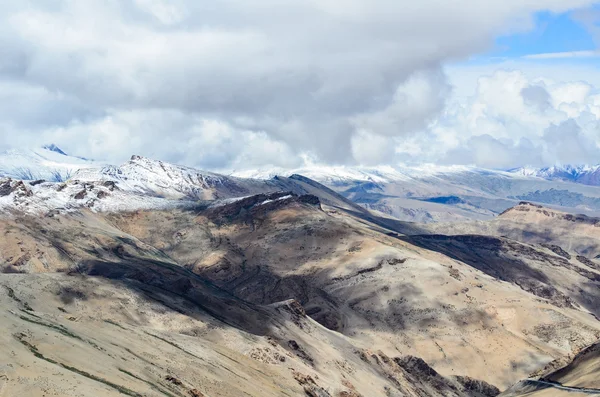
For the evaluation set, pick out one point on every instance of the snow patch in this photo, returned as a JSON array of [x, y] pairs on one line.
[[277, 199]]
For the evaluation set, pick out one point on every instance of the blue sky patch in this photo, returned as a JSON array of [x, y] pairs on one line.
[[553, 33]]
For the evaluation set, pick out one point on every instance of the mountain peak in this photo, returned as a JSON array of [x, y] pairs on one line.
[[584, 174], [53, 148]]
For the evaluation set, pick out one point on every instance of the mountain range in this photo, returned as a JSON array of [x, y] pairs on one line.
[[585, 174], [421, 194], [154, 279]]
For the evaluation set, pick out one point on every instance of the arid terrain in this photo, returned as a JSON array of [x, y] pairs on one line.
[[284, 288]]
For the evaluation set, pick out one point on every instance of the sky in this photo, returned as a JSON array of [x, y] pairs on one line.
[[247, 84]]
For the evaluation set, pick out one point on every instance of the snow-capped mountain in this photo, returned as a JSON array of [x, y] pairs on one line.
[[49, 163], [422, 193], [160, 179], [50, 197], [448, 193], [584, 174], [143, 183], [339, 175]]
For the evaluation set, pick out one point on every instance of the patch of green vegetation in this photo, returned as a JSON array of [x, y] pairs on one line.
[[132, 375], [119, 388], [30, 314], [138, 356], [59, 328], [155, 387], [34, 350], [116, 324], [11, 294], [228, 370], [227, 357], [173, 344]]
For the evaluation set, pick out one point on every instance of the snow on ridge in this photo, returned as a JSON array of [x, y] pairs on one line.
[[585, 174], [41, 163], [344, 174], [46, 197], [277, 199], [144, 175]]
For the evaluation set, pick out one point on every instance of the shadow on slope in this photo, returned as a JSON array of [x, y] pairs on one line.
[[510, 261], [152, 276]]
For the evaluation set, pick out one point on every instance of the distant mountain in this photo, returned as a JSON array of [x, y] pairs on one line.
[[424, 193], [158, 178], [53, 148], [431, 193], [49, 163], [140, 183], [584, 174], [340, 175]]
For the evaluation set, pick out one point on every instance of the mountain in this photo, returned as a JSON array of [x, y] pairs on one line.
[[95, 304], [534, 224], [574, 375], [53, 148], [584, 174], [160, 179], [445, 194], [415, 194], [49, 163], [342, 175], [446, 300], [151, 278], [143, 183]]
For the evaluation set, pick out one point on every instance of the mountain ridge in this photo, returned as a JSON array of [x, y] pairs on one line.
[[422, 193], [584, 174]]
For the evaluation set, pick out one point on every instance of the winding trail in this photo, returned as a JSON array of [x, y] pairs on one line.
[[558, 386]]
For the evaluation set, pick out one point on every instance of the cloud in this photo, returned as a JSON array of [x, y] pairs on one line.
[[372, 149], [494, 153], [513, 121], [563, 55], [174, 136], [590, 18], [536, 96], [416, 101], [226, 83], [568, 143]]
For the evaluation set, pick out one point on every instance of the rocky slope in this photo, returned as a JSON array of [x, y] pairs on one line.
[[90, 310], [451, 301], [155, 279], [568, 235], [575, 375]]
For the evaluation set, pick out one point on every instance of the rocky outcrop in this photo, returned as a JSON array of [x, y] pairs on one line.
[[588, 262], [476, 387], [246, 209], [9, 186], [557, 250]]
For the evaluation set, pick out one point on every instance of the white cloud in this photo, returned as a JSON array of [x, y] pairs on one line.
[[514, 121], [167, 12], [372, 149], [173, 136], [422, 96], [229, 82], [562, 55]]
